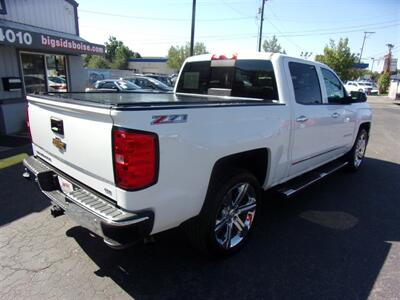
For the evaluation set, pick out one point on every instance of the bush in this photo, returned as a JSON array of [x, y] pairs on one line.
[[384, 82]]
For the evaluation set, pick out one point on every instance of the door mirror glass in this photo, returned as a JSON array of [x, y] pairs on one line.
[[358, 96]]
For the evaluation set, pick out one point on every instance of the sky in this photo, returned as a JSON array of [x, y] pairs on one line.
[[151, 27]]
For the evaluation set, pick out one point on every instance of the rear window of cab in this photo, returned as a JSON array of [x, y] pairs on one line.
[[252, 79]]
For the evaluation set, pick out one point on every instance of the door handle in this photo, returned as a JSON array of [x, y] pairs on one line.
[[335, 115], [302, 119]]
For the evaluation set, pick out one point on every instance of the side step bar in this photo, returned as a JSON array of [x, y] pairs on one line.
[[298, 184]]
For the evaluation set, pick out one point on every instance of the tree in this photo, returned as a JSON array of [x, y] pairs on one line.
[[97, 62], [120, 58], [118, 54], [272, 45], [339, 58], [178, 54], [384, 82], [306, 54]]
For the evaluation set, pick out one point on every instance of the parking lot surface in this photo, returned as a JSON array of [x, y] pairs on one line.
[[339, 239]]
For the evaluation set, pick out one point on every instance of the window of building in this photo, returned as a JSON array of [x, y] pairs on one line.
[[56, 73], [3, 10], [305, 83], [334, 89], [44, 73], [33, 70]]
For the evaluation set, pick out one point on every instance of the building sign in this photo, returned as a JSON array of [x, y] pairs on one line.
[[41, 41]]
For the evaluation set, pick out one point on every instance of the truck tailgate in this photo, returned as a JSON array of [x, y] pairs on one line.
[[76, 139]]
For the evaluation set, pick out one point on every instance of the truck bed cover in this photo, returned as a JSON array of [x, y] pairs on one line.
[[145, 100]]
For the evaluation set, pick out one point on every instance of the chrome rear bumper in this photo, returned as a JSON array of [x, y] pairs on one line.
[[116, 226]]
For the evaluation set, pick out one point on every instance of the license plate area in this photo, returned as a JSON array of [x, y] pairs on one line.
[[66, 186]]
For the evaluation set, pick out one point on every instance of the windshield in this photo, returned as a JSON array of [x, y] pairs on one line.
[[159, 84], [127, 85]]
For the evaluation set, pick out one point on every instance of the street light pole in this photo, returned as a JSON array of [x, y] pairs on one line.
[[192, 33], [362, 47], [372, 66], [261, 25]]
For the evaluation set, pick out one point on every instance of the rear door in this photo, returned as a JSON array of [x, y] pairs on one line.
[[75, 139], [312, 141]]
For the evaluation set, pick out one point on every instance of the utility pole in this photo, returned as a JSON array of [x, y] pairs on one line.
[[390, 46], [192, 33], [261, 25], [362, 47]]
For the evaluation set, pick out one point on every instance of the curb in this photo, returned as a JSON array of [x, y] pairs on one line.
[[13, 160]]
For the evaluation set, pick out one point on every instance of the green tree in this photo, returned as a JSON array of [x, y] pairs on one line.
[[306, 54], [339, 58], [97, 62], [272, 45], [121, 56], [118, 54], [178, 54], [384, 82]]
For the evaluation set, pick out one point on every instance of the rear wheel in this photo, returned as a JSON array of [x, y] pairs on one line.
[[356, 155], [228, 215]]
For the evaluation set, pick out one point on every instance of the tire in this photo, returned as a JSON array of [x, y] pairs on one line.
[[228, 215], [355, 157]]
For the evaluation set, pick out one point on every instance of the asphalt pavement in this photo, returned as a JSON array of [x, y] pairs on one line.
[[339, 239]]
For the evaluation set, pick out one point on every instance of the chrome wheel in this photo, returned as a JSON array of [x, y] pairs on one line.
[[359, 152], [236, 215]]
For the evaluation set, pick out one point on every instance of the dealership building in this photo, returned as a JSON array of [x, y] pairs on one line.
[[40, 51]]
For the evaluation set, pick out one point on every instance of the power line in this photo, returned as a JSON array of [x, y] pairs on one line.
[[161, 19], [235, 9], [334, 32]]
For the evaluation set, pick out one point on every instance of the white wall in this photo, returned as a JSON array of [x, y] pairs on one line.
[[394, 90], [151, 67], [56, 15]]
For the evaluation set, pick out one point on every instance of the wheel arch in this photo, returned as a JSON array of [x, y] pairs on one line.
[[255, 161]]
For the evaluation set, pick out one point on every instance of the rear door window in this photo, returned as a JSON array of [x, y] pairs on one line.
[[305, 83], [253, 79]]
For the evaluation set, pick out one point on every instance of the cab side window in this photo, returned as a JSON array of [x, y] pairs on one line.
[[333, 86], [305, 83]]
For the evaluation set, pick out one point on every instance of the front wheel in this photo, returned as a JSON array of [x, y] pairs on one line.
[[356, 155], [228, 215]]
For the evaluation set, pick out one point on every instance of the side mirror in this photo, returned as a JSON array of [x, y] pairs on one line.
[[358, 97]]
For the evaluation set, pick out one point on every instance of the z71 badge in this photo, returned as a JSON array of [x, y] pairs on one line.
[[169, 119]]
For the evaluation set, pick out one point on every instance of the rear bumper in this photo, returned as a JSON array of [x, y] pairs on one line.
[[92, 211]]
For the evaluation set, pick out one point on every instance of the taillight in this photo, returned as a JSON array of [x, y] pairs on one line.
[[135, 158]]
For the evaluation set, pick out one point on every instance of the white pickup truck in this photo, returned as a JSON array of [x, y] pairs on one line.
[[128, 166]]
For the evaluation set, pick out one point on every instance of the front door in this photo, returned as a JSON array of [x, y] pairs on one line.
[[343, 115]]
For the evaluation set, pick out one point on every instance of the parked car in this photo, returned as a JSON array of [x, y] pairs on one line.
[[150, 83], [116, 85], [134, 165], [34, 83], [163, 78], [56, 84], [359, 86]]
